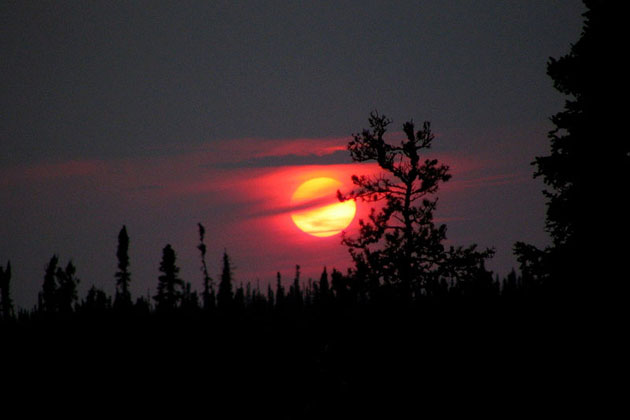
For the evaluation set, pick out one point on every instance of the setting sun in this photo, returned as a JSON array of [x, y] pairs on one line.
[[317, 210]]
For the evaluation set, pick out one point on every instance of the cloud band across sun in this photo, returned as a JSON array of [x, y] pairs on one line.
[[327, 217]]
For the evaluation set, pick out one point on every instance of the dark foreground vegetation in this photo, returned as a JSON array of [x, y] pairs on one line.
[[413, 327], [328, 350]]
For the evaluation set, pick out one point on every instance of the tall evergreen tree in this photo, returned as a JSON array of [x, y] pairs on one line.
[[225, 295], [323, 292], [6, 303], [123, 276], [208, 289], [169, 291], [280, 293], [588, 166], [47, 300], [295, 292]]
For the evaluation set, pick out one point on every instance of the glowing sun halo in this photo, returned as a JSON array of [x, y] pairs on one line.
[[317, 211]]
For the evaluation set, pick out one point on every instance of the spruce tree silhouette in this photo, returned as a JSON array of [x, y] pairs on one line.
[[295, 298], [280, 293], [208, 287], [123, 276], [225, 297], [169, 290], [6, 303], [400, 246], [47, 300]]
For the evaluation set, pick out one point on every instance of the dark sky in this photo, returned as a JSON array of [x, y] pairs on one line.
[[159, 115]]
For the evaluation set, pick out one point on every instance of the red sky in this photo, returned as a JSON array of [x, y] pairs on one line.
[[240, 190], [159, 118]]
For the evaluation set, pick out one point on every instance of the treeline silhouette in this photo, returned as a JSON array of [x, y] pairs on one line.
[[341, 345], [59, 300], [414, 326], [332, 347]]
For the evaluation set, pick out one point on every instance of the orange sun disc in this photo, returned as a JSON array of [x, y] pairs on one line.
[[317, 211]]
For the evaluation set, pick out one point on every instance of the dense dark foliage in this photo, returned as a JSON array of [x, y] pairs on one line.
[[588, 168], [302, 349]]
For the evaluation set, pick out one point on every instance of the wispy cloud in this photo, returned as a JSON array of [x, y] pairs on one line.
[[251, 152]]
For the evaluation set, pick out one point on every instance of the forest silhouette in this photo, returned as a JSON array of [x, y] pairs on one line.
[[413, 326]]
